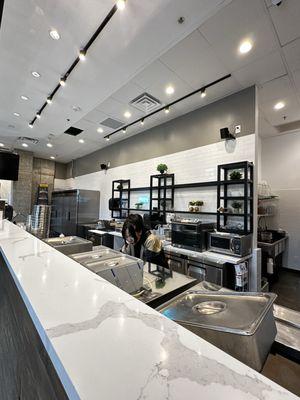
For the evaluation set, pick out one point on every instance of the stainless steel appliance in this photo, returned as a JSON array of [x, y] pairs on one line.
[[123, 271], [70, 244], [191, 235], [229, 243], [241, 324], [206, 271], [70, 208]]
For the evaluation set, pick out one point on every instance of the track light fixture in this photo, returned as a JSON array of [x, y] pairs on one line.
[[108, 139], [30, 125], [62, 81], [82, 55], [38, 115], [120, 4], [166, 108]]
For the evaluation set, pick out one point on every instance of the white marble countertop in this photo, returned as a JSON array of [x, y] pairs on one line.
[[106, 344]]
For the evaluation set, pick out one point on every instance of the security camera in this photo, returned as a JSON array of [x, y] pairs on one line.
[[225, 134], [276, 2]]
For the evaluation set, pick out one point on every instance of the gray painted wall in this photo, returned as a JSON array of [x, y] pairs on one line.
[[197, 128], [61, 170]]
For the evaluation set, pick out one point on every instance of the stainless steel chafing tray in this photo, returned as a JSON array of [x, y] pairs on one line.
[[241, 324], [70, 244]]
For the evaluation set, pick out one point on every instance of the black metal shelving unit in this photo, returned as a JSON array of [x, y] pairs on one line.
[[121, 194], [162, 194], [224, 199]]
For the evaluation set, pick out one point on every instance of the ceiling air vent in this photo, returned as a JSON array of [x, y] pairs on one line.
[[112, 123], [146, 103], [73, 131], [28, 139]]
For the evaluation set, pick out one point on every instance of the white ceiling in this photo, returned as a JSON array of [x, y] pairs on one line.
[[143, 48]]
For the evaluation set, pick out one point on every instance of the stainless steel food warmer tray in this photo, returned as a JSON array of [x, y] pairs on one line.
[[241, 324]]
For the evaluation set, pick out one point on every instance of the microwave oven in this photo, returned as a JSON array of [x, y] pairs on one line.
[[191, 235], [229, 243]]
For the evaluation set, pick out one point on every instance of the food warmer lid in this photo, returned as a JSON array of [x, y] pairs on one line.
[[232, 312]]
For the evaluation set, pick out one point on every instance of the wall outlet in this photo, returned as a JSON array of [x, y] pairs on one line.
[[237, 129]]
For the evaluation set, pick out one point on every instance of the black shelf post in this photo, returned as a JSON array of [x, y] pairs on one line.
[[121, 192]]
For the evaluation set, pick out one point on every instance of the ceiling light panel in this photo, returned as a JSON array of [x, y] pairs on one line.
[[54, 34]]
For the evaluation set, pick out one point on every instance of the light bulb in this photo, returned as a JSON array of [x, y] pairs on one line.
[[30, 125], [54, 34], [203, 93], [170, 90], [142, 121], [108, 139], [245, 47], [279, 105], [167, 110], [24, 97], [49, 100], [82, 54], [24, 144], [124, 130], [49, 145], [38, 115], [62, 82], [81, 141], [121, 4], [127, 114], [52, 158], [16, 114], [100, 130]]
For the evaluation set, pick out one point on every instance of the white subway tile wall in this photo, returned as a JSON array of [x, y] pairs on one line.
[[195, 165]]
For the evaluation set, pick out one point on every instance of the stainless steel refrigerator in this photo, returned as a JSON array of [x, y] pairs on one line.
[[72, 208]]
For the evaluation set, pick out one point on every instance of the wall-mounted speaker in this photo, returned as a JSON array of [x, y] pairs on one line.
[[225, 134]]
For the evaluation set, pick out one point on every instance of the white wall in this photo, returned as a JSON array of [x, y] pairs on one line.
[[195, 165], [6, 190], [281, 169]]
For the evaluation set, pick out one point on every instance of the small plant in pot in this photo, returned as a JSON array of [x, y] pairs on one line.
[[237, 207], [162, 168], [192, 206], [235, 175], [198, 205], [138, 206], [120, 186]]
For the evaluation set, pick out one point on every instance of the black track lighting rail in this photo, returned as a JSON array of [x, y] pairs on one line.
[[77, 60], [167, 106]]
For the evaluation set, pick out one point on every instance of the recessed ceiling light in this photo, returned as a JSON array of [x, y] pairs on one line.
[[279, 105], [24, 144], [54, 34], [49, 100], [1, 145], [127, 114], [245, 47], [62, 82], [24, 97], [16, 114], [49, 145], [82, 54], [170, 90], [81, 141], [30, 125], [121, 4], [35, 74], [52, 158], [203, 93], [167, 110], [100, 130]]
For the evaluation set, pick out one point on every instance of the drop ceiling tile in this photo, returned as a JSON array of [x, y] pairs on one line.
[[262, 70], [292, 54], [275, 90], [194, 61], [238, 21], [116, 109], [291, 112], [95, 116], [180, 89], [127, 93], [286, 19]]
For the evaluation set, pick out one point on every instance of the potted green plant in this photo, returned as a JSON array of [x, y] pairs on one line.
[[138, 206], [162, 168], [191, 205], [237, 206], [235, 175], [198, 204], [120, 186]]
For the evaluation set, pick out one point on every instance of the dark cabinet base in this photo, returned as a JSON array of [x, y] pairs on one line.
[[26, 371]]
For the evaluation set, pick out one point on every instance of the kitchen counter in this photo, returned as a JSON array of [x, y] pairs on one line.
[[99, 232], [206, 255], [105, 343]]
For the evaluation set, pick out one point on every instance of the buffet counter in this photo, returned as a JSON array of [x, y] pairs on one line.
[[105, 343]]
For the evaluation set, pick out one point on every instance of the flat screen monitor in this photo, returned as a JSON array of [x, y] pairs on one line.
[[9, 166]]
